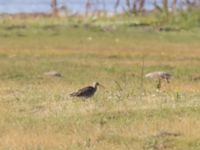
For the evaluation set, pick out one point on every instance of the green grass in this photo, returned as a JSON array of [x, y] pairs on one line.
[[36, 111]]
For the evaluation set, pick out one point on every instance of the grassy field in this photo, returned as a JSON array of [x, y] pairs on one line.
[[36, 112]]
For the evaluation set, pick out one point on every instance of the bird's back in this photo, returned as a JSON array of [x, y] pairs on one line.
[[84, 92], [159, 74]]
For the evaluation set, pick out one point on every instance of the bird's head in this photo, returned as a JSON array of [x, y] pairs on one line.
[[96, 84]]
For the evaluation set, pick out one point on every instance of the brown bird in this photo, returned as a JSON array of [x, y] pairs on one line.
[[86, 92]]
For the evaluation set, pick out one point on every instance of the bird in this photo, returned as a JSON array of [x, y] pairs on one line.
[[160, 75], [87, 91]]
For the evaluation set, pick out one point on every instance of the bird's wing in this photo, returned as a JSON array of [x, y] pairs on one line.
[[82, 92]]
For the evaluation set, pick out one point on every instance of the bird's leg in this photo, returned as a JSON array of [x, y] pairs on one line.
[[159, 84], [83, 99], [167, 79]]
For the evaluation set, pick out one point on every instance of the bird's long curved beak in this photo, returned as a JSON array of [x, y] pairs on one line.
[[100, 85]]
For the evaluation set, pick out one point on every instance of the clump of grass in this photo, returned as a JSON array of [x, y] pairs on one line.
[[181, 20]]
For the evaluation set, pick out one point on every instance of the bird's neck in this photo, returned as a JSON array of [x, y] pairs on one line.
[[95, 86]]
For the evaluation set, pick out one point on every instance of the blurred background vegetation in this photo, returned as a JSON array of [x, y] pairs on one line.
[[165, 15]]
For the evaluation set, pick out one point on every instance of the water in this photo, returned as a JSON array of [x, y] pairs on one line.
[[16, 6]]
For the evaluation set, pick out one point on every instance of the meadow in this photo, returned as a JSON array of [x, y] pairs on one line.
[[36, 112]]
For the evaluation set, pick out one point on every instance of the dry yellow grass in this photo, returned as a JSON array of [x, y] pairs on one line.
[[36, 111]]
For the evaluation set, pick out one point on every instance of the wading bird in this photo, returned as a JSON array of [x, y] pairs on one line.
[[160, 75], [86, 92]]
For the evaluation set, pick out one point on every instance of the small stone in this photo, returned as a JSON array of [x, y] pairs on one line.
[[53, 73]]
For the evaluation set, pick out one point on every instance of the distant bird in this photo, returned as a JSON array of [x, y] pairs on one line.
[[86, 92], [160, 75]]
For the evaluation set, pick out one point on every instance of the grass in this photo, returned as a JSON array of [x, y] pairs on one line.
[[37, 113]]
